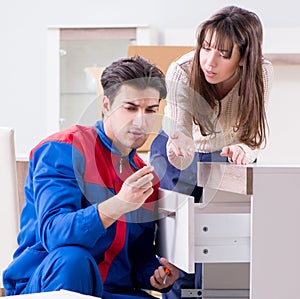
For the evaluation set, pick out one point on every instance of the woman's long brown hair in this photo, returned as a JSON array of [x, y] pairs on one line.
[[233, 26]]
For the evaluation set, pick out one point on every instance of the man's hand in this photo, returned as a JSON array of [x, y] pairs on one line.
[[164, 275], [235, 154], [136, 189], [134, 192]]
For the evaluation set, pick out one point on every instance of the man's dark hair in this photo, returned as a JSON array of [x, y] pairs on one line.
[[135, 71]]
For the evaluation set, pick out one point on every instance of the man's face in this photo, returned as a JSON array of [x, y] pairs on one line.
[[129, 120]]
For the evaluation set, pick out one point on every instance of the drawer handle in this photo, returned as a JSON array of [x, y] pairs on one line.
[[166, 213]]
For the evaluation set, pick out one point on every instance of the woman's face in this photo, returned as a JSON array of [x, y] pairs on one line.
[[216, 64]]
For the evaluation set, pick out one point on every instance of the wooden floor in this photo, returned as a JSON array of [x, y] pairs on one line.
[[2, 292]]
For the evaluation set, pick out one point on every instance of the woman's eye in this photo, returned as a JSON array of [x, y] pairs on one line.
[[224, 55], [205, 46]]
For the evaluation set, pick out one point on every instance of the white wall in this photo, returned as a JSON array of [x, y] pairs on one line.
[[23, 68], [283, 116]]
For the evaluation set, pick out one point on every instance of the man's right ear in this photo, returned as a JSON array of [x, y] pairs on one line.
[[105, 105]]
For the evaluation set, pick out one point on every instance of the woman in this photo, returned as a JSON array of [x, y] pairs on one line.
[[216, 106], [218, 93]]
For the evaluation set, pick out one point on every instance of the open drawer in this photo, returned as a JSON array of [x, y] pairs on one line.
[[210, 232]]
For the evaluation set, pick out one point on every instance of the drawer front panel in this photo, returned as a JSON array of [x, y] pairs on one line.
[[222, 237]]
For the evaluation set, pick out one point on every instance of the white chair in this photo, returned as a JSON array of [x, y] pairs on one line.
[[9, 223]]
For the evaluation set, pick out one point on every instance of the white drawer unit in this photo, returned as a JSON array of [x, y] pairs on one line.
[[249, 216]]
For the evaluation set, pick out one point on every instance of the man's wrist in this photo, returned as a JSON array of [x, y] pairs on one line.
[[110, 211]]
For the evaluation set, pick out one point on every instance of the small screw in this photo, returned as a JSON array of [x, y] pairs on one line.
[[205, 228], [205, 251]]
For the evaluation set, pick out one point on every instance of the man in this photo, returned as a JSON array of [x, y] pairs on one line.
[[88, 220]]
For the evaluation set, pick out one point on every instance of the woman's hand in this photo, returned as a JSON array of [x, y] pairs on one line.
[[164, 275], [181, 145], [235, 154]]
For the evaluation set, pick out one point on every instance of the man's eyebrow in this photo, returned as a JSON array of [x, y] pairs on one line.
[[133, 104], [153, 106], [136, 105]]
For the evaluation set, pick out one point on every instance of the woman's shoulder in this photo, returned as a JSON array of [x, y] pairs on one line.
[[182, 65], [267, 65], [267, 68], [185, 58]]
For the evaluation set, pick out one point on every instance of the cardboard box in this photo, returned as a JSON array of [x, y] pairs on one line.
[[162, 57]]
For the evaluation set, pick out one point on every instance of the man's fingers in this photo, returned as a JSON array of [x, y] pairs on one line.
[[147, 185], [141, 182], [148, 192], [140, 174]]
